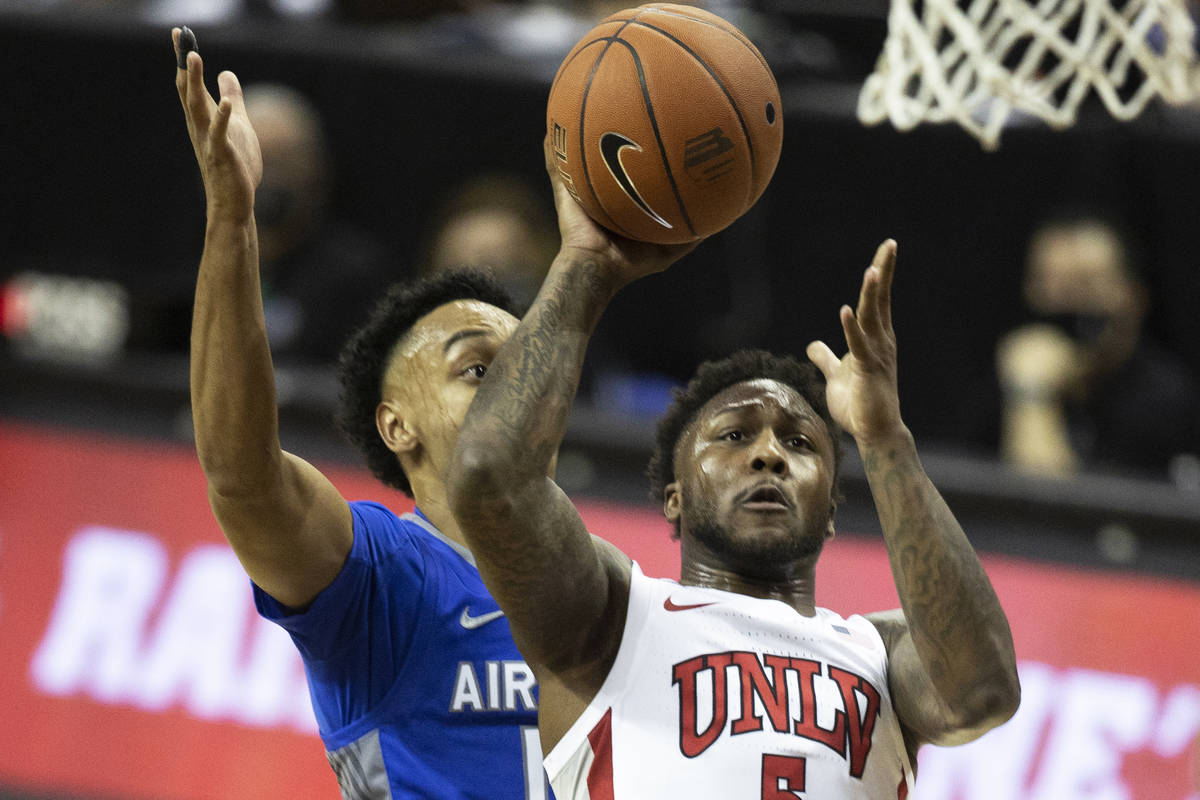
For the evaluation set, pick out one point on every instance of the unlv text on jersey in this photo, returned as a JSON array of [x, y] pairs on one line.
[[793, 684]]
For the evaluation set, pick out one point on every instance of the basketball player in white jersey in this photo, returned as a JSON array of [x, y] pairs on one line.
[[731, 683]]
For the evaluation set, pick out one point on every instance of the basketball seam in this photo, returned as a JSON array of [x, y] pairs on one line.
[[579, 48], [662, 150], [587, 177], [735, 33], [720, 84]]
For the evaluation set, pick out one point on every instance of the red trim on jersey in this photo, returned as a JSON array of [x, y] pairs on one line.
[[600, 776], [902, 789]]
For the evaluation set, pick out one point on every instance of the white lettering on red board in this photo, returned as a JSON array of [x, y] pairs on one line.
[[1068, 740], [125, 630], [122, 633]]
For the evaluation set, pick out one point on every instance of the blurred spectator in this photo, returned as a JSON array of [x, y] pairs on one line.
[[1083, 385], [504, 224], [318, 274], [498, 222]]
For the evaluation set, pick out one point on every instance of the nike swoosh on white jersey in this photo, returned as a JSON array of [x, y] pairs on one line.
[[471, 623]]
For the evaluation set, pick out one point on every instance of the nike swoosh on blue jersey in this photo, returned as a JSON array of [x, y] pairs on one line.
[[471, 623]]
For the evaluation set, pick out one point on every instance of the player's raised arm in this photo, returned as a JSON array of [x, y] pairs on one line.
[[286, 522], [952, 667], [563, 591]]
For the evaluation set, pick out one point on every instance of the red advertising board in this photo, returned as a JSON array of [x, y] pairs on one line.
[[132, 664]]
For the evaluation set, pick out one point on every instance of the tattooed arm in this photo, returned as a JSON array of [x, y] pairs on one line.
[[564, 592], [952, 668]]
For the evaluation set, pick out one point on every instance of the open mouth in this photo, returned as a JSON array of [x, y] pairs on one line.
[[766, 498]]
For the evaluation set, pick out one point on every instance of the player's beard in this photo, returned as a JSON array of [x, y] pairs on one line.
[[759, 556]]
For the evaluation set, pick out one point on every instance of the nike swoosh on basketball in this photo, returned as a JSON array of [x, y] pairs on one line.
[[611, 145], [669, 606], [471, 623]]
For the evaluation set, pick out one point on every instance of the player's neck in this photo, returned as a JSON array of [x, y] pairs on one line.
[[793, 584], [430, 497]]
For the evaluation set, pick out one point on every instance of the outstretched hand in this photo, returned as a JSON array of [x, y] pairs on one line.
[[225, 143], [861, 387], [630, 259]]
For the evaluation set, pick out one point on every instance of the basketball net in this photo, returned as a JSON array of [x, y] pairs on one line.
[[976, 61]]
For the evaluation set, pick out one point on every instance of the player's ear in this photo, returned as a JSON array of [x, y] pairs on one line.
[[672, 502], [830, 532], [394, 427]]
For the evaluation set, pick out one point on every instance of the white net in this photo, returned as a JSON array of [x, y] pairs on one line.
[[977, 61]]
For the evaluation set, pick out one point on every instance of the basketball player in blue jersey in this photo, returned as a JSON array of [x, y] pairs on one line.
[[731, 683], [417, 686]]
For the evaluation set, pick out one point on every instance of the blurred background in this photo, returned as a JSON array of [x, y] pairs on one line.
[[1045, 308]]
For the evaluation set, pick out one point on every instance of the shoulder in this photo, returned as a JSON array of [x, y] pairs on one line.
[[376, 519], [372, 511], [381, 534], [615, 561], [867, 636], [890, 624]]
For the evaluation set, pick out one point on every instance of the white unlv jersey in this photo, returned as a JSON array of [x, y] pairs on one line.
[[719, 695]]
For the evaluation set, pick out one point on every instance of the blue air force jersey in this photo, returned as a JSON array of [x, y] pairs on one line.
[[417, 686]]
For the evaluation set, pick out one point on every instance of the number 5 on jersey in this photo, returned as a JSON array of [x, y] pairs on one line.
[[782, 777]]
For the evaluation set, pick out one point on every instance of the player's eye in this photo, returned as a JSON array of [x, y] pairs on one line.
[[476, 371], [800, 442], [732, 436]]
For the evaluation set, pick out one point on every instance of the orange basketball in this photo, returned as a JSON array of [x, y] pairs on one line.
[[665, 123]]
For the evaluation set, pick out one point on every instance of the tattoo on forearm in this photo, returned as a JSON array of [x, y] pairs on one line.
[[528, 401], [952, 611]]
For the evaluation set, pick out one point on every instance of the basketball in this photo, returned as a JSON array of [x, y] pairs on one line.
[[665, 123]]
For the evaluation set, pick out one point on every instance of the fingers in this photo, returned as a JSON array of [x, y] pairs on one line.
[[874, 311], [220, 126], [196, 100], [548, 154], [231, 89], [180, 72], [185, 42], [231, 101], [566, 207], [819, 354], [856, 337], [864, 292], [189, 78], [885, 263], [561, 194], [873, 318]]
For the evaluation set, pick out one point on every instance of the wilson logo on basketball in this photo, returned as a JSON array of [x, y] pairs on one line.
[[558, 143], [706, 157], [852, 720]]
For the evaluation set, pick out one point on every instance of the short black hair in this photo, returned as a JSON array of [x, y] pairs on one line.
[[364, 358], [711, 378]]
